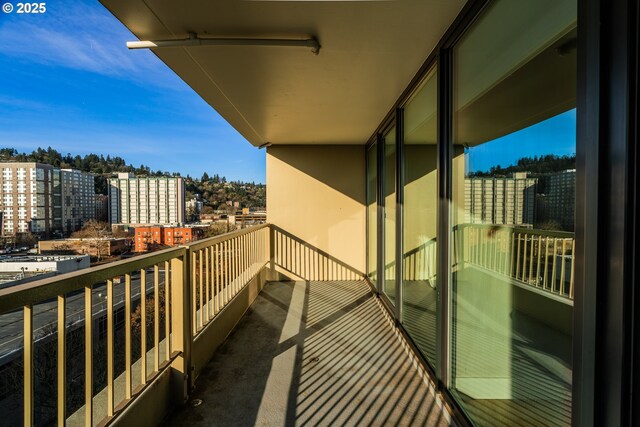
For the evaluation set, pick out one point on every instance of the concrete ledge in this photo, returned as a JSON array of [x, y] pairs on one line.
[[217, 331], [150, 406]]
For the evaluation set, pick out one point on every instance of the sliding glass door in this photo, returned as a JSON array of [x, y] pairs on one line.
[[513, 200], [420, 183], [372, 213], [488, 141], [389, 193]]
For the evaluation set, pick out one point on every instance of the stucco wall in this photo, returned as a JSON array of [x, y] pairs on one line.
[[316, 194]]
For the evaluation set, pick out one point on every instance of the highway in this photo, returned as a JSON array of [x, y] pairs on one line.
[[46, 314]]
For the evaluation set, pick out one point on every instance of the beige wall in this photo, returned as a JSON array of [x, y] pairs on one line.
[[316, 194]]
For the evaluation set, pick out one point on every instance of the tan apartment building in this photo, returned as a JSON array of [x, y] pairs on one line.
[[45, 200], [29, 198], [146, 200]]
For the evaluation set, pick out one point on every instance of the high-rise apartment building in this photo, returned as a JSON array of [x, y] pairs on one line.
[[556, 203], [77, 199], [27, 198], [146, 200], [43, 199], [102, 207], [492, 200]]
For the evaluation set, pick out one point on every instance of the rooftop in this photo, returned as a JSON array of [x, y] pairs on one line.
[[40, 258]]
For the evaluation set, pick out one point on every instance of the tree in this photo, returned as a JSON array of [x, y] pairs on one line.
[[25, 239], [205, 177], [191, 213], [218, 228], [95, 231], [550, 225]]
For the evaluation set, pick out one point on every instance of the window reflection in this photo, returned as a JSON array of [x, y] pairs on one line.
[[420, 225], [513, 206]]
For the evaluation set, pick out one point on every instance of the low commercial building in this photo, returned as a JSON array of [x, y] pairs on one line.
[[22, 269], [246, 219], [209, 218], [94, 247]]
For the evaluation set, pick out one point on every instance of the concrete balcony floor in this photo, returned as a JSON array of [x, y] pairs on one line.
[[312, 353]]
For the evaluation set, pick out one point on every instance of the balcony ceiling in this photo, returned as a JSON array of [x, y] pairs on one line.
[[370, 52]]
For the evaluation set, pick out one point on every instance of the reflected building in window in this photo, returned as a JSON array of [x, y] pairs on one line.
[[556, 201], [501, 200]]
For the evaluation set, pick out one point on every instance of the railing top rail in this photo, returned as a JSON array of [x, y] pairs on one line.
[[17, 296], [205, 243], [523, 230]]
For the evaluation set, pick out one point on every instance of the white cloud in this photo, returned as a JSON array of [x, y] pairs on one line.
[[85, 37], [21, 104]]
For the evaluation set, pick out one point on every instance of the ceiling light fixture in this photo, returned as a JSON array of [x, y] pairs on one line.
[[194, 40]]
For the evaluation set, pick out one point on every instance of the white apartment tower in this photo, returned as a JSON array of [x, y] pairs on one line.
[[43, 199], [493, 200], [146, 200]]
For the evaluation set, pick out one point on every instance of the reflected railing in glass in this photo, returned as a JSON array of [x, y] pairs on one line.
[[538, 258]]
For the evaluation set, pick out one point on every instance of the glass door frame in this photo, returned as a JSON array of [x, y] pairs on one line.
[[606, 133]]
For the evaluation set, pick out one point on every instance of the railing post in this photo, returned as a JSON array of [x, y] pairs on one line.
[[181, 336], [272, 249]]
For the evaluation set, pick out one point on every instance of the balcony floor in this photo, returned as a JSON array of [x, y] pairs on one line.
[[312, 353]]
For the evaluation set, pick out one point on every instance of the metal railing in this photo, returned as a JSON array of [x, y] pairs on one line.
[[538, 258], [221, 266], [306, 261], [179, 292]]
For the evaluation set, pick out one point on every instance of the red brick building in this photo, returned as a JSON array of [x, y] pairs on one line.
[[152, 238]]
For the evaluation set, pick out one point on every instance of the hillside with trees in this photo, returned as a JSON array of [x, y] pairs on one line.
[[537, 165], [215, 190]]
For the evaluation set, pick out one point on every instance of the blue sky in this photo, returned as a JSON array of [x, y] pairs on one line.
[[556, 135], [69, 82]]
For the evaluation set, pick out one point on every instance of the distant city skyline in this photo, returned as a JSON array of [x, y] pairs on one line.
[[70, 83]]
